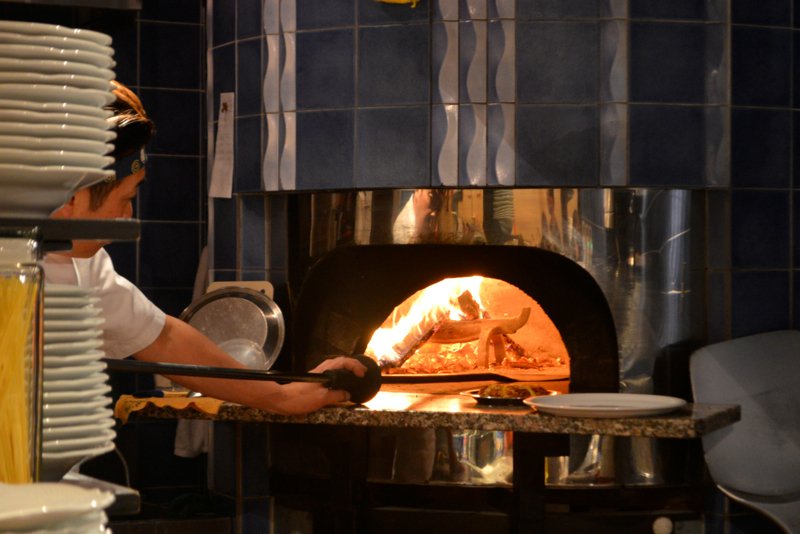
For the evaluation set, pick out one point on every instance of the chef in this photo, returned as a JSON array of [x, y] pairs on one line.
[[134, 326]]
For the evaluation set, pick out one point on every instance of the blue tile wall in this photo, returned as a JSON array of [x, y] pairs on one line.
[[325, 69]]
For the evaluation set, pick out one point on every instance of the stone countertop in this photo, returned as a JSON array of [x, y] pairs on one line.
[[419, 410]]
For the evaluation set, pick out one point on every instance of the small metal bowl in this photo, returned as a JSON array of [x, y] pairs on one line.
[[238, 313]]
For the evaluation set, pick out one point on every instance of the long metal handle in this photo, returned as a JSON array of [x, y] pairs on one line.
[[137, 366]]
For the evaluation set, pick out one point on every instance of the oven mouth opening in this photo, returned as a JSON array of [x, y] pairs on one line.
[[470, 326]]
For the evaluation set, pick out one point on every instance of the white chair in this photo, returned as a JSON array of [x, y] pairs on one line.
[[756, 461]]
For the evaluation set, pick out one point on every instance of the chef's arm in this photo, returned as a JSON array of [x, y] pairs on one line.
[[181, 343]]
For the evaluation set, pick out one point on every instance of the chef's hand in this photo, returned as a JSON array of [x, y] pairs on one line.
[[340, 362]]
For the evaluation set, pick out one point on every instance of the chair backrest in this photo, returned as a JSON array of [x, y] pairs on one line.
[[760, 454]]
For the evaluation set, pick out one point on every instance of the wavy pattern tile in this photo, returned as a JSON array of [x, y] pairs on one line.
[[614, 61], [288, 15], [288, 165], [445, 9], [474, 9], [444, 145], [501, 169], [472, 59], [503, 9], [472, 144], [272, 79], [613, 144], [444, 59], [270, 169], [270, 16], [501, 58]]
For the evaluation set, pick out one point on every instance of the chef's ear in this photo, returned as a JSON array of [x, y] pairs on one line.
[[65, 211]]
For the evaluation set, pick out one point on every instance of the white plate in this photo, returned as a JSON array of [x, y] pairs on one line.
[[54, 176], [54, 41], [41, 28], [80, 324], [71, 313], [28, 506], [56, 464], [56, 130], [77, 393], [63, 336], [605, 404], [38, 117], [51, 301], [70, 360], [75, 408], [72, 80], [85, 418], [55, 93], [25, 201], [88, 386], [56, 143], [94, 523], [74, 347], [75, 371], [98, 439], [76, 431], [24, 51], [55, 107], [67, 290], [53, 157], [47, 66]]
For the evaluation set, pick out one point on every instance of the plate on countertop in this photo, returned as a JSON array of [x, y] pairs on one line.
[[606, 404], [31, 506], [506, 394]]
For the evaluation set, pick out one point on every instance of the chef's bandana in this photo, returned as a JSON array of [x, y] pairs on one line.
[[130, 164]]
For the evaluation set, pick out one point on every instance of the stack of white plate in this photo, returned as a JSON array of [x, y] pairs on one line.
[[53, 507], [77, 423], [54, 132]]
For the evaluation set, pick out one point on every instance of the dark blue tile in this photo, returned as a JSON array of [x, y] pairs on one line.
[[123, 255], [173, 11], [667, 146], [372, 13], [557, 145], [223, 22], [796, 226], [172, 189], [396, 156], [772, 13], [170, 301], [325, 149], [248, 18], [224, 275], [760, 226], [278, 231], [248, 90], [675, 9], [760, 302], [761, 67], [667, 62], [177, 115], [325, 69], [796, 299], [247, 166], [319, 14], [224, 232], [224, 60], [170, 56], [254, 275], [394, 65], [760, 148], [557, 62], [168, 254], [718, 299], [556, 9], [253, 237]]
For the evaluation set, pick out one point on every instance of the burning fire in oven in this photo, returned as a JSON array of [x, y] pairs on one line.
[[469, 324]]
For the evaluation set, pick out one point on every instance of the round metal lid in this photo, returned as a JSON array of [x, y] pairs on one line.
[[242, 321]]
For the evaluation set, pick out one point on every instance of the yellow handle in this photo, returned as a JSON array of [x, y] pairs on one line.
[[412, 2]]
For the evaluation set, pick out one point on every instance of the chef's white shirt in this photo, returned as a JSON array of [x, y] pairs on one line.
[[132, 321]]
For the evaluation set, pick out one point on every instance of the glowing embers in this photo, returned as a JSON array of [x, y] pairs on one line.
[[468, 324]]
